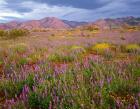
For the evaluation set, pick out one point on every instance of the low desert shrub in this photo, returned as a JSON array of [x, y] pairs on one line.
[[10, 88], [20, 48], [37, 101], [17, 33], [77, 51], [101, 47], [35, 57], [13, 88], [3, 33], [132, 47], [60, 58], [22, 61], [30, 80], [18, 105], [33, 100], [13, 34]]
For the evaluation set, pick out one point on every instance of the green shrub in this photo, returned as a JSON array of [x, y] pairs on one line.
[[3, 33], [13, 34], [22, 61], [1, 62], [10, 88], [35, 100], [130, 48], [17, 33], [30, 81], [135, 71], [60, 58], [20, 48], [119, 88], [35, 57], [45, 102], [77, 51], [87, 73], [18, 105]]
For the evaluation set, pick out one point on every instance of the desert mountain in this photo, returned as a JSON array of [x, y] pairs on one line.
[[114, 23], [52, 22], [48, 22]]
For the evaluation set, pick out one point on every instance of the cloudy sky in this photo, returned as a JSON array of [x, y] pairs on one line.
[[78, 10]]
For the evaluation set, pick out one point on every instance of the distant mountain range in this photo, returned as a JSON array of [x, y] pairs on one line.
[[118, 22], [52, 22], [48, 22]]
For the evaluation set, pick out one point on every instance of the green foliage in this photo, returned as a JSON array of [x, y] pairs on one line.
[[87, 72], [10, 89], [18, 105], [3, 33], [60, 58], [22, 61], [45, 102], [136, 72], [1, 62], [77, 51], [108, 55], [92, 28], [20, 48], [36, 101], [132, 47], [119, 88], [30, 81], [13, 34], [33, 100], [35, 56]]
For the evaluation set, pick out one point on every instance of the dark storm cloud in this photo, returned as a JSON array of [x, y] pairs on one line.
[[19, 9], [85, 4]]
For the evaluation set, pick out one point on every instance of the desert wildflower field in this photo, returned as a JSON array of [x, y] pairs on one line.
[[69, 69]]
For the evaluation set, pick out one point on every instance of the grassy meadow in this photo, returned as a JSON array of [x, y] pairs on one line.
[[69, 69]]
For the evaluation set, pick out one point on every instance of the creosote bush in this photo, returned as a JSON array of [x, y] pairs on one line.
[[60, 58], [3, 33], [13, 34], [132, 47]]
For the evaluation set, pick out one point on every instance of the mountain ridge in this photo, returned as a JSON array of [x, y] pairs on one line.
[[55, 23], [47, 22]]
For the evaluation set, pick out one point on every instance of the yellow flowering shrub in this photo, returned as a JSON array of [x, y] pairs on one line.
[[101, 47], [76, 47]]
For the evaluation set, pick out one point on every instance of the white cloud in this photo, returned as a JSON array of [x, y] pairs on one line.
[[6, 12], [3, 2]]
